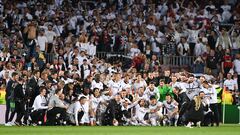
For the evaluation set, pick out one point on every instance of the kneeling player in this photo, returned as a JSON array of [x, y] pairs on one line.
[[171, 107], [155, 114]]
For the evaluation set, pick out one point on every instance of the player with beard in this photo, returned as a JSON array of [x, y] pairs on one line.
[[151, 90], [192, 87], [172, 111]]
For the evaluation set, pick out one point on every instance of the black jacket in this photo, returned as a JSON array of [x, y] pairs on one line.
[[33, 88], [18, 93], [183, 101], [113, 111], [10, 89], [194, 115]]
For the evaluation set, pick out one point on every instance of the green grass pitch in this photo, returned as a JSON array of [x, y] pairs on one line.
[[108, 130]]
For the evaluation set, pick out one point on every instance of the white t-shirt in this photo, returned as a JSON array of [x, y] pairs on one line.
[[81, 58], [154, 107], [40, 102], [98, 85], [73, 22], [92, 50], [83, 46], [111, 16], [226, 7], [192, 36], [86, 71], [142, 83], [183, 86], [236, 63], [198, 50], [170, 107], [230, 84], [50, 36], [85, 118], [155, 48], [95, 102], [134, 52], [150, 93], [125, 85], [151, 27], [192, 89], [210, 94], [141, 112], [163, 9], [42, 40], [115, 86], [74, 109], [181, 47]]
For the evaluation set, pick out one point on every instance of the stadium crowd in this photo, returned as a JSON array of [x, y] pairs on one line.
[[78, 88]]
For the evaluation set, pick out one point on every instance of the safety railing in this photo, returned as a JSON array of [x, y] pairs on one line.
[[121, 57], [177, 60]]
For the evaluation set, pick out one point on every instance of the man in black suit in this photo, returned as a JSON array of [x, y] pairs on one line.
[[181, 97], [33, 88], [113, 114], [10, 96], [19, 97]]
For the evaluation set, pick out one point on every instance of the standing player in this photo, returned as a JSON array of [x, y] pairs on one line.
[[115, 83], [192, 87], [211, 94]]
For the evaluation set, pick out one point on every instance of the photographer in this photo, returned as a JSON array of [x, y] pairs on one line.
[[56, 106], [199, 65]]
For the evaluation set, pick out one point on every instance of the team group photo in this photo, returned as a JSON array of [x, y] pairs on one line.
[[124, 63]]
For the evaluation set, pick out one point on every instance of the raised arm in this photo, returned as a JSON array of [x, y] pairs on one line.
[[182, 4], [196, 4], [231, 30]]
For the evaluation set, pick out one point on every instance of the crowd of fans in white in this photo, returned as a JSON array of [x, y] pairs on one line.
[[75, 87]]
